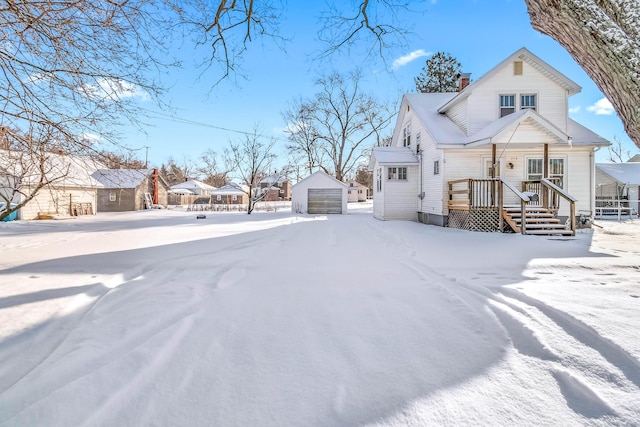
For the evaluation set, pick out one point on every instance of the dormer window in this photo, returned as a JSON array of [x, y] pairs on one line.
[[528, 101], [507, 104]]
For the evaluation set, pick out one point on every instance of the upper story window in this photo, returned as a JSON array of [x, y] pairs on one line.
[[406, 135], [507, 104], [528, 101], [399, 174], [418, 138]]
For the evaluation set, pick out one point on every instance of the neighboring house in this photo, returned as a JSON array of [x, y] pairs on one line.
[[230, 194], [275, 187], [473, 158], [130, 189], [319, 193], [618, 188], [70, 191], [194, 187], [356, 192]]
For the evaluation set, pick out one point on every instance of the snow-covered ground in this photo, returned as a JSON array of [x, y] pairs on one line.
[[276, 319]]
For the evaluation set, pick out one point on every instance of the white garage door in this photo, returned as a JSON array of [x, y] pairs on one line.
[[324, 201]]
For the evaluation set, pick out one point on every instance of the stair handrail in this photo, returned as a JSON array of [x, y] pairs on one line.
[[524, 199], [572, 201]]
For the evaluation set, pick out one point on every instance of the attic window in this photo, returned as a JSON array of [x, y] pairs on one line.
[[517, 68]]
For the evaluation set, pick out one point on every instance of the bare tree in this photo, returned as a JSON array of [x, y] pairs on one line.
[[334, 127], [210, 171], [174, 173], [249, 160], [72, 71], [303, 135], [604, 38], [617, 152]]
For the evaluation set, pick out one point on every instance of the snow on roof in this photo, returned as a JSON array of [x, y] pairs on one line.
[[273, 178], [193, 185], [444, 131], [319, 173], [121, 178], [394, 155], [62, 169], [231, 189], [625, 173]]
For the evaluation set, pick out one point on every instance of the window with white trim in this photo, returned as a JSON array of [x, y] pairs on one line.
[[234, 198], [397, 174], [436, 167], [406, 135], [218, 197], [535, 170], [507, 104], [379, 179], [113, 196], [418, 139], [528, 101]]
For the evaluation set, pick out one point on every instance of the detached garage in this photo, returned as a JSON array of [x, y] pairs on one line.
[[319, 193]]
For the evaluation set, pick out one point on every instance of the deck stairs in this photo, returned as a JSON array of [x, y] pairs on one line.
[[538, 221]]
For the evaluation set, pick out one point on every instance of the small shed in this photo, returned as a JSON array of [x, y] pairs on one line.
[[319, 193], [130, 189]]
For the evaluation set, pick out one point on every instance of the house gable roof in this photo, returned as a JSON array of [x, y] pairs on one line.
[[231, 189], [192, 184], [319, 174], [121, 178], [625, 173], [445, 133], [523, 54]]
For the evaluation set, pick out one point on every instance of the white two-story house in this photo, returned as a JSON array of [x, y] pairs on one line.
[[474, 159]]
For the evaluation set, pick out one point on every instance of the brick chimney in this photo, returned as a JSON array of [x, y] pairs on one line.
[[463, 81]]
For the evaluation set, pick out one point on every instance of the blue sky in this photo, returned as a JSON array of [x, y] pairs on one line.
[[479, 33]]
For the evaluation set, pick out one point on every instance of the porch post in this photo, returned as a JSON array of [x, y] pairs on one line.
[[493, 160], [545, 175], [493, 174]]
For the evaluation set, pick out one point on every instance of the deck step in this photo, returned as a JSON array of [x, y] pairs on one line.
[[564, 232]]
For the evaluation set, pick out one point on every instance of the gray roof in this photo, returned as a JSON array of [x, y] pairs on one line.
[[624, 173], [121, 178]]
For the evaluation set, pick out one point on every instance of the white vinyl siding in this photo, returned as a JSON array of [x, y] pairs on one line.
[[578, 167], [401, 196], [58, 200], [484, 103]]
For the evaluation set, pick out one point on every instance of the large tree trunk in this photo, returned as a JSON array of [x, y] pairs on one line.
[[603, 36]]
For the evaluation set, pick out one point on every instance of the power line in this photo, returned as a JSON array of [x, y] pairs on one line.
[[172, 118]]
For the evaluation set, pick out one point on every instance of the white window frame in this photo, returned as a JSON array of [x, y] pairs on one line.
[[406, 135], [113, 196], [397, 173], [552, 174], [436, 167], [379, 180], [529, 96], [218, 197], [504, 108]]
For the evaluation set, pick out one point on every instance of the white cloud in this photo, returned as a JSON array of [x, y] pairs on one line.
[[115, 89], [602, 107], [574, 110], [405, 59]]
